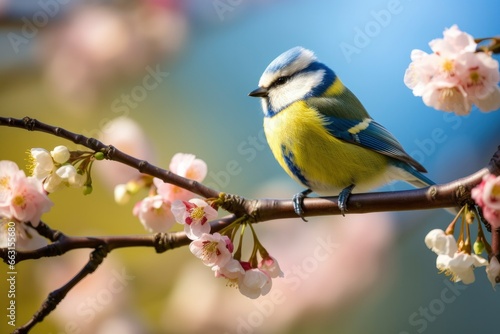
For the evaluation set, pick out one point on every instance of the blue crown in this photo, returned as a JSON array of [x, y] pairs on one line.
[[286, 58]]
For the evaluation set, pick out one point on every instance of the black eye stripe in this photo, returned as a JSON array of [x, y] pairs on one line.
[[280, 81]]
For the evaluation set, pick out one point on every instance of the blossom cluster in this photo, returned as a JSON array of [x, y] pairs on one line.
[[167, 204], [154, 211], [455, 258], [455, 76], [22, 200], [62, 167], [459, 264], [253, 278]]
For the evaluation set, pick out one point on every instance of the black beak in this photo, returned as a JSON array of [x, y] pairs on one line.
[[259, 92]]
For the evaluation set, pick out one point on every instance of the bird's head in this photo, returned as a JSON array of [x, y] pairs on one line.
[[294, 75]]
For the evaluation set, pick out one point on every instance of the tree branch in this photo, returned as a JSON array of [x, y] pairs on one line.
[[63, 243], [453, 194], [111, 153], [55, 297]]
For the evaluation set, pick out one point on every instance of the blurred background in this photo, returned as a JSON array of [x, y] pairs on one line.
[[180, 71]]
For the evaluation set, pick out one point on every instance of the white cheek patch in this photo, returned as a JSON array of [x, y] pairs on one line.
[[295, 89], [264, 106]]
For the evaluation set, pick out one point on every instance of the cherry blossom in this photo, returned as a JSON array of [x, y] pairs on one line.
[[232, 271], [270, 266], [454, 76], [53, 169], [154, 213], [255, 283], [212, 249], [194, 215], [460, 266], [185, 165], [453, 262], [493, 271], [440, 242], [487, 196], [42, 163], [8, 169], [26, 200]]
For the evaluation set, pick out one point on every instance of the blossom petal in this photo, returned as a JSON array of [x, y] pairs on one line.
[[493, 271]]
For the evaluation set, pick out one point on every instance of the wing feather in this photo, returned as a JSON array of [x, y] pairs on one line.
[[338, 114]]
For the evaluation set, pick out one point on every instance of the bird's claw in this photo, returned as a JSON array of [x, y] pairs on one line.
[[343, 197], [298, 203]]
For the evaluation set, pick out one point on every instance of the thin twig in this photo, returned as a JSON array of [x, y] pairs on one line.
[[111, 153], [161, 242], [55, 297]]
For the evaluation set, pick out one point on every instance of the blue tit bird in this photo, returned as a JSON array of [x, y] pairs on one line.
[[322, 136]]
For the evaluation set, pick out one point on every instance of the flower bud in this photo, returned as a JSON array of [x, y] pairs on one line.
[[60, 154], [478, 247], [99, 156], [87, 189]]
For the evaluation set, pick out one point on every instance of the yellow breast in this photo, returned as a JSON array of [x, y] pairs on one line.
[[316, 159]]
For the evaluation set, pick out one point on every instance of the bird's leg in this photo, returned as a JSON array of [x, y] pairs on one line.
[[343, 197], [298, 202]]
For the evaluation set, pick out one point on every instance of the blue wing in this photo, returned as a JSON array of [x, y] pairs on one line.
[[338, 115], [369, 134]]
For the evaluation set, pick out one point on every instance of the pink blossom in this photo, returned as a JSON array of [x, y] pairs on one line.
[[26, 200], [270, 266], [8, 170], [447, 96], [194, 215], [252, 282], [454, 76], [185, 165], [479, 74], [318, 289], [480, 77], [212, 249], [255, 283], [421, 71], [487, 196], [155, 214], [455, 42], [232, 270]]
